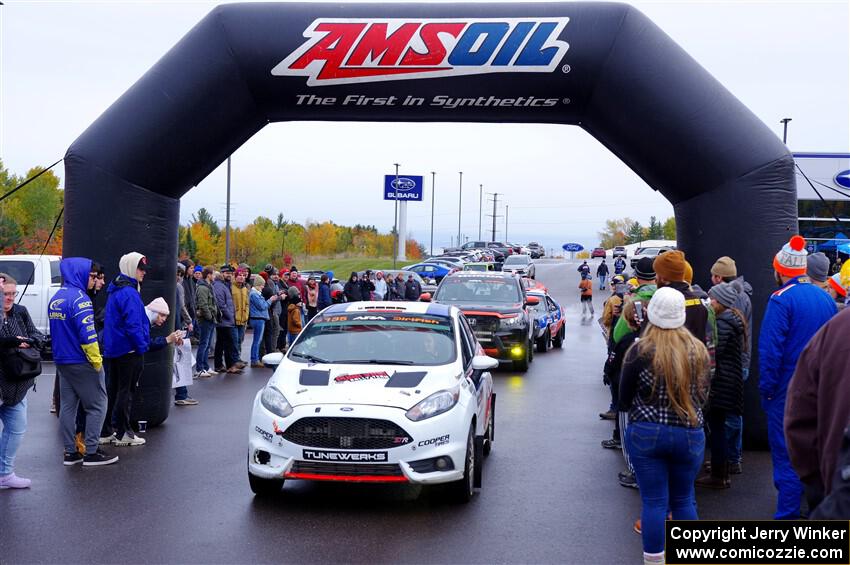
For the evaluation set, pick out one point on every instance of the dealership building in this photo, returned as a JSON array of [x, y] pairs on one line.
[[823, 201]]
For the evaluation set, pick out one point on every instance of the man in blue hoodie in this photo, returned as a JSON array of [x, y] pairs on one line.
[[126, 338], [79, 364]]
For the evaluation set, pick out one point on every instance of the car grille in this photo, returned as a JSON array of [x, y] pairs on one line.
[[346, 433], [347, 469], [483, 324]]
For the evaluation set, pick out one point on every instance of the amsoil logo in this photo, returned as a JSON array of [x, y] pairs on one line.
[[368, 50]]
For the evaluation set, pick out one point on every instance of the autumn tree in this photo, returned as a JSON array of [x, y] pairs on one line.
[[669, 229]]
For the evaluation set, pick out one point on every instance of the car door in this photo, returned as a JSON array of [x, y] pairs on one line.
[[484, 385], [555, 314]]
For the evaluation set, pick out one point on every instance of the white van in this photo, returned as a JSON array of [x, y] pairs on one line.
[[42, 274]]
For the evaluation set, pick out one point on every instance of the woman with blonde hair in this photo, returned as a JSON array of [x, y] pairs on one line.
[[663, 385]]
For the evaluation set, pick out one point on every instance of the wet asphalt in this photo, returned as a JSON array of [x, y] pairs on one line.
[[550, 491]]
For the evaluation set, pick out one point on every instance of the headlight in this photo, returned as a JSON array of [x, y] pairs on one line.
[[510, 323], [274, 401], [437, 403]]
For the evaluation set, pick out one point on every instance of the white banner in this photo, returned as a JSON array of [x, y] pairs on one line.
[[183, 364]]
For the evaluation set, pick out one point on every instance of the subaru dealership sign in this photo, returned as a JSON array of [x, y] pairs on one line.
[[403, 187]]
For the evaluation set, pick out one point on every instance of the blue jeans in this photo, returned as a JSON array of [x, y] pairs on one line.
[[735, 433], [666, 461], [14, 420], [207, 329], [258, 325], [601, 282], [292, 338], [238, 333]]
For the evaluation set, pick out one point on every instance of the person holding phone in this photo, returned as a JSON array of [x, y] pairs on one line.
[[16, 331]]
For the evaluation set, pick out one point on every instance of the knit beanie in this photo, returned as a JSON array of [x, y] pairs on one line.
[[689, 273], [817, 267], [724, 293], [835, 283], [644, 270], [667, 308], [199, 269], [724, 267], [159, 306], [129, 263], [791, 259], [670, 266]]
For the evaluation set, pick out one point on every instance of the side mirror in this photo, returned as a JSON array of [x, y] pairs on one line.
[[273, 359], [483, 362], [425, 297], [532, 301]]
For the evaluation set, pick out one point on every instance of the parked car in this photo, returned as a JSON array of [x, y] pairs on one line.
[[598, 252], [431, 271], [536, 250], [369, 392], [38, 280], [549, 322], [479, 267], [498, 310], [521, 265], [651, 252], [619, 251]]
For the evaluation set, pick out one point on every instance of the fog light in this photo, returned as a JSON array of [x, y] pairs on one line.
[[516, 351], [441, 464], [263, 457]]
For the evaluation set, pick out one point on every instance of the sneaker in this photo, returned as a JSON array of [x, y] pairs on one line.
[[712, 482], [636, 528], [612, 444], [257, 365], [735, 468], [13, 481], [129, 439], [609, 415], [220, 369], [106, 440], [72, 458], [186, 402], [81, 445], [53, 406], [234, 370], [206, 374], [628, 480], [99, 458], [240, 364]]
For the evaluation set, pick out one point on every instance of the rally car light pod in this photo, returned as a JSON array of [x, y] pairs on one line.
[[517, 351], [437, 403], [274, 401]]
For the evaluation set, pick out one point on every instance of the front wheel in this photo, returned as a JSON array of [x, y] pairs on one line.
[[463, 490], [559, 339], [544, 341], [264, 487]]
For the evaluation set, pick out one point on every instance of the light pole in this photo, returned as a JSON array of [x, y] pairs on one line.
[[395, 222], [784, 122], [433, 177], [480, 204], [506, 223], [227, 220], [459, 200]]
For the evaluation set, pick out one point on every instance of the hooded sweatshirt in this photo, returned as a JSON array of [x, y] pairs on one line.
[[126, 328], [74, 338]]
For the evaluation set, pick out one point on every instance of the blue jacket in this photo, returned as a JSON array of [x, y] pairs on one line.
[[72, 317], [258, 307], [224, 299], [126, 327], [794, 314], [324, 296]]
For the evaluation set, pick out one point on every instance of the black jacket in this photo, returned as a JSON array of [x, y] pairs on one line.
[[366, 289], [727, 385], [602, 270], [412, 290], [353, 291]]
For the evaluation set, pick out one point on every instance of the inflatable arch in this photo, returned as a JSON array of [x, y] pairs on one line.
[[604, 67]]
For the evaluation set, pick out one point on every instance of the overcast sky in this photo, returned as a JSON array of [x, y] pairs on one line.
[[64, 62]]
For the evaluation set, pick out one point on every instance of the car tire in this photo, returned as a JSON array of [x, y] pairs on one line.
[[544, 341], [521, 365], [265, 487], [490, 433], [462, 491], [559, 339], [531, 351]]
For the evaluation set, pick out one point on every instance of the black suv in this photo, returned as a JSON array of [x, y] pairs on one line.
[[497, 309]]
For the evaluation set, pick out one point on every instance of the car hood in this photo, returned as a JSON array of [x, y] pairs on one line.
[[466, 307], [397, 386]]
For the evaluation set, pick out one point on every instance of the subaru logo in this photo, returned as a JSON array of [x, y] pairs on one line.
[[842, 179], [346, 409], [403, 183]]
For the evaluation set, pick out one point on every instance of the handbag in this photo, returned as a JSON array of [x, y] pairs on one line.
[[21, 364]]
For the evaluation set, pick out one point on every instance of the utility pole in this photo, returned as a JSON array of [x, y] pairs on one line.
[[433, 176], [459, 201], [395, 223], [227, 220], [480, 209], [494, 215], [506, 223], [784, 122]]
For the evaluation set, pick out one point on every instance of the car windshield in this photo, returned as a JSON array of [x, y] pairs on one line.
[[516, 260], [480, 290], [380, 338]]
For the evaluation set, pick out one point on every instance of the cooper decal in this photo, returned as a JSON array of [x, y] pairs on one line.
[[369, 50], [266, 435], [361, 377], [435, 441], [363, 457]]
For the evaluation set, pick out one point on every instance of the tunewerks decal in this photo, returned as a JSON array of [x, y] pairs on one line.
[[345, 456], [345, 51]]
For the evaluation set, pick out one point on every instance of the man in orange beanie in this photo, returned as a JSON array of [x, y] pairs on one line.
[[670, 270], [794, 314]]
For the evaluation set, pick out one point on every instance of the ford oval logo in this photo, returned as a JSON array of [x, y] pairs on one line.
[[346, 409], [842, 179], [403, 184]]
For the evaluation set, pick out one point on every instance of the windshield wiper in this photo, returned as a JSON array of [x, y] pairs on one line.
[[309, 357], [376, 362]]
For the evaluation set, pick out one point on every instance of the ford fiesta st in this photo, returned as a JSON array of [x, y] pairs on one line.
[[378, 392]]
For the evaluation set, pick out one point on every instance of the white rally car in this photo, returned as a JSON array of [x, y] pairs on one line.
[[377, 392]]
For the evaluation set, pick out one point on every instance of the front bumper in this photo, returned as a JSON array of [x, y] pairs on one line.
[[506, 346], [436, 442]]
